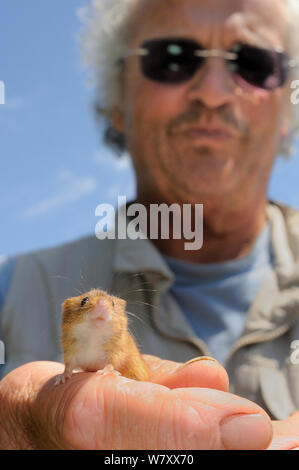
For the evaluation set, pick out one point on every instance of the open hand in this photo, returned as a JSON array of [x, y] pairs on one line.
[[182, 407]]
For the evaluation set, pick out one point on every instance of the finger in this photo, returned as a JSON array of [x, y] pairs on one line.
[[109, 412], [199, 372], [285, 434]]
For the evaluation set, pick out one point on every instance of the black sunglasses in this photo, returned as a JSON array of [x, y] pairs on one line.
[[176, 60]]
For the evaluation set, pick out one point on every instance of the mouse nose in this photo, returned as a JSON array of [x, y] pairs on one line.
[[102, 311]]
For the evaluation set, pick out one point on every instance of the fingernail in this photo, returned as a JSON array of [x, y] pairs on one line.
[[198, 359], [246, 432]]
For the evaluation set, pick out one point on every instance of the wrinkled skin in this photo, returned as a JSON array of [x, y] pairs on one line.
[[186, 408]]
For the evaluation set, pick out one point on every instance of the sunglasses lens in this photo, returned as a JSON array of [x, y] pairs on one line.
[[169, 61], [261, 67]]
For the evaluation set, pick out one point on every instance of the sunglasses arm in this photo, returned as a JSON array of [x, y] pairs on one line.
[[134, 52]]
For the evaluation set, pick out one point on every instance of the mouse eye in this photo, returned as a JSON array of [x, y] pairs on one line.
[[113, 304], [84, 301]]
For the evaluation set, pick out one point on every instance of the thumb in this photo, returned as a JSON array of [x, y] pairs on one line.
[[201, 371], [111, 412]]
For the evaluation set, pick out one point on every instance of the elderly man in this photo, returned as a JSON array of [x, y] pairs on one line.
[[203, 102]]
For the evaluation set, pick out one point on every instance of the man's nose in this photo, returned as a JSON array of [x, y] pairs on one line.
[[213, 84]]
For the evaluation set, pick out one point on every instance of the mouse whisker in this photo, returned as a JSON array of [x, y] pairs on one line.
[[66, 278], [59, 276], [141, 281], [142, 290], [132, 333], [136, 316], [140, 302], [126, 293]]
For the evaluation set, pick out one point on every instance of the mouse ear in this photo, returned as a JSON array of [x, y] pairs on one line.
[[65, 305], [121, 302]]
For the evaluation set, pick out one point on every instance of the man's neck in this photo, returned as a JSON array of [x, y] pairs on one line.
[[227, 235]]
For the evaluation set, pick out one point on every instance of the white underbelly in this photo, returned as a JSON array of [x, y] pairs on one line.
[[90, 341]]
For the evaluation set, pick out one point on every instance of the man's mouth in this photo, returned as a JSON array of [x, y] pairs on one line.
[[208, 133]]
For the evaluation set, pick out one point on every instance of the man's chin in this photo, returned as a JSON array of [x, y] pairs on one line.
[[202, 189]]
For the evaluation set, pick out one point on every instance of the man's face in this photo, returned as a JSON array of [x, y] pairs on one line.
[[175, 159]]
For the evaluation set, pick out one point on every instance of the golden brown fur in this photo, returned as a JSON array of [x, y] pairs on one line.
[[121, 349]]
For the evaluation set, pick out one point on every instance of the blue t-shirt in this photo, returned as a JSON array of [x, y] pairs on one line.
[[216, 297]]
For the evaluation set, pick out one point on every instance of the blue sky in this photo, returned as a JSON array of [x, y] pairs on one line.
[[54, 168]]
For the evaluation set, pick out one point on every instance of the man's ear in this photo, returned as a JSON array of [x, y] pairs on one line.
[[117, 119]]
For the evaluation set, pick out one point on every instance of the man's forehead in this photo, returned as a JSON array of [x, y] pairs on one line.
[[263, 19]]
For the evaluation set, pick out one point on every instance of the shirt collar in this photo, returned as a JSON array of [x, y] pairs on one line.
[[285, 241], [141, 255]]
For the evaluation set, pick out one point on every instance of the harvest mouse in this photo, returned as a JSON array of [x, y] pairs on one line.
[[95, 337]]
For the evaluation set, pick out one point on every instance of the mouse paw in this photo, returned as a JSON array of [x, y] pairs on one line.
[[62, 378], [108, 370]]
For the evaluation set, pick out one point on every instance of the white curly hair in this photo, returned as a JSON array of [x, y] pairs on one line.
[[104, 38]]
